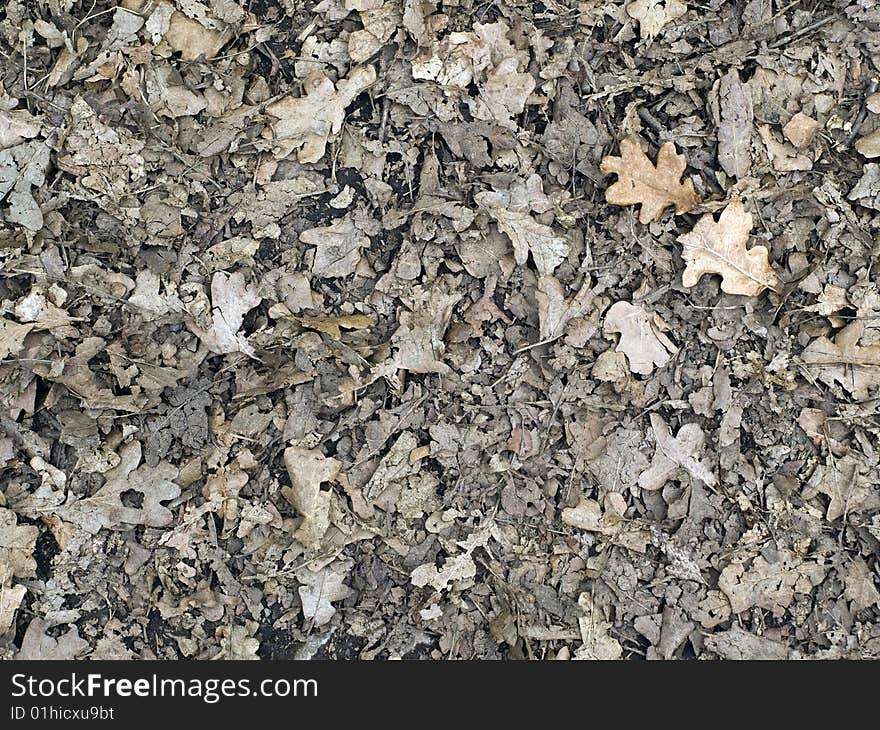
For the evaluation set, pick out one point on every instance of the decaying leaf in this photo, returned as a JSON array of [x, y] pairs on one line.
[[607, 519], [17, 546], [11, 597], [37, 644], [860, 586], [721, 248], [850, 486], [785, 157], [231, 299], [512, 210], [735, 127], [641, 337], [338, 247], [555, 311], [683, 451], [106, 160], [856, 367], [419, 339], [640, 182], [597, 642], [653, 15], [108, 508], [459, 567], [308, 469], [771, 586], [306, 123]]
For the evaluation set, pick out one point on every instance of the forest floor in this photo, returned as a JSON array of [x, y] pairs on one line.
[[397, 328]]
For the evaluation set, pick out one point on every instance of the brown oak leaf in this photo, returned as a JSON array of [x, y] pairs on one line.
[[856, 367], [720, 248], [682, 451], [641, 339], [641, 182]]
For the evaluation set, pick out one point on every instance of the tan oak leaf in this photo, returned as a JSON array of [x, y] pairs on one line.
[[682, 451], [856, 367], [653, 15], [307, 122], [720, 248], [641, 338], [849, 485], [308, 469], [655, 187], [106, 508]]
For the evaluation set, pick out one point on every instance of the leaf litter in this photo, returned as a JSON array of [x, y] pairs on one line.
[[439, 330]]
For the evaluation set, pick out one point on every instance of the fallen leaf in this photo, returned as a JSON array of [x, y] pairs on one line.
[[653, 15], [597, 642], [850, 486], [801, 130], [512, 210], [856, 367], [860, 588], [785, 157], [38, 645], [419, 339], [338, 247], [231, 299], [308, 469], [306, 123], [653, 187], [735, 127], [682, 451], [455, 568], [11, 597], [320, 589], [720, 248], [555, 311], [644, 345], [869, 144], [771, 586], [106, 508], [17, 545]]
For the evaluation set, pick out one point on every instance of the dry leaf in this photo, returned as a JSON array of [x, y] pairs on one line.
[[307, 122], [784, 156], [770, 586], [683, 451], [455, 568], [860, 588], [869, 144], [17, 545], [338, 247], [308, 469], [641, 340], [856, 367], [850, 486], [735, 127], [512, 210], [801, 130], [598, 643], [419, 339], [106, 508], [654, 187], [11, 597], [37, 644], [720, 248], [332, 325], [319, 590], [231, 299], [653, 15], [554, 311]]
